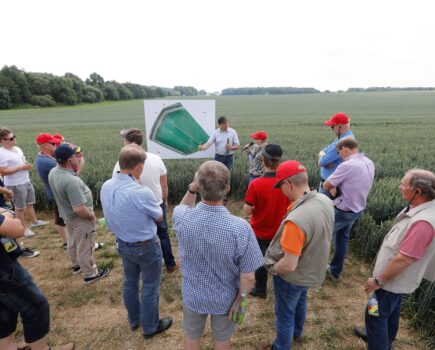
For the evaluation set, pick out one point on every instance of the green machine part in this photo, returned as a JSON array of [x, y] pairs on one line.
[[176, 129]]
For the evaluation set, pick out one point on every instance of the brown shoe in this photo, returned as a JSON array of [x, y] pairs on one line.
[[172, 269]]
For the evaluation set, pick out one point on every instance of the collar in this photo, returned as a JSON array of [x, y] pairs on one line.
[[269, 174], [212, 208], [124, 177]]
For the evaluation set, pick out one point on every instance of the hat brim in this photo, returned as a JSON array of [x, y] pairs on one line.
[[276, 184], [329, 123]]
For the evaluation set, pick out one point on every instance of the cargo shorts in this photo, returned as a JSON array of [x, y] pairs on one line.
[[24, 195]]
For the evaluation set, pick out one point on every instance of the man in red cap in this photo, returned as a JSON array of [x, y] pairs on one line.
[[44, 163], [256, 168], [329, 159], [299, 252]]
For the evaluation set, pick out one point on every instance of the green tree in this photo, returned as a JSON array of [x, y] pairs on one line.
[[5, 100], [19, 78], [62, 90]]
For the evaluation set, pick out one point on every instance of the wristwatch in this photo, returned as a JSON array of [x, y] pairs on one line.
[[378, 282]]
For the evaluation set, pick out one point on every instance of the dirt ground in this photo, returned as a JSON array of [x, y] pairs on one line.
[[94, 317]]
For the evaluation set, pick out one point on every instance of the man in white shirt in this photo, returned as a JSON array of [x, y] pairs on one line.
[[15, 169], [154, 176], [226, 142]]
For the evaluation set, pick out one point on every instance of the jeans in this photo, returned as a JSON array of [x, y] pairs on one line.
[[344, 221], [20, 295], [227, 160], [261, 272], [290, 312], [142, 259], [382, 329], [165, 241]]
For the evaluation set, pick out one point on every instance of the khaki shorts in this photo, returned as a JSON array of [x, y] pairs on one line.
[[194, 324], [24, 195]]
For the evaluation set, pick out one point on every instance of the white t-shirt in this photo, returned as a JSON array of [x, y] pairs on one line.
[[10, 158], [150, 177]]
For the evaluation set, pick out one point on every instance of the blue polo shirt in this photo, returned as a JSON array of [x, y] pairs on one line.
[[129, 209], [332, 156], [43, 165]]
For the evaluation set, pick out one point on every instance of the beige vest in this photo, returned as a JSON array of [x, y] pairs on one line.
[[313, 213], [410, 279]]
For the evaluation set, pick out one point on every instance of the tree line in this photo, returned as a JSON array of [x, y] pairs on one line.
[[388, 88], [19, 89], [268, 91]]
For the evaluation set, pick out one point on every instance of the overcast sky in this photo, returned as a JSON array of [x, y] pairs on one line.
[[212, 45]]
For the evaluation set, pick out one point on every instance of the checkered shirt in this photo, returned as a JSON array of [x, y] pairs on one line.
[[215, 248]]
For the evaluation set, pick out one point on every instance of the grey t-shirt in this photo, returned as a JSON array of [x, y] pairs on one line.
[[69, 191]]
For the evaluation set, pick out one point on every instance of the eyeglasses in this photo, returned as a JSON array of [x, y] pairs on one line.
[[11, 138], [282, 183], [51, 143]]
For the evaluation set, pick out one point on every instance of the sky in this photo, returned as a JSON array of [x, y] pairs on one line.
[[213, 45]]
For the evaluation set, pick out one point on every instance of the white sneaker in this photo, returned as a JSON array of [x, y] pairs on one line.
[[98, 246], [39, 223], [29, 233]]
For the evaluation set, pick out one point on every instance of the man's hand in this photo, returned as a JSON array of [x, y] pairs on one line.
[[321, 154], [26, 166], [333, 191], [330, 165], [8, 194], [200, 148], [229, 147], [233, 306], [371, 286]]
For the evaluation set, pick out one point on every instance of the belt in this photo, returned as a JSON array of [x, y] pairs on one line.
[[224, 155], [138, 243], [343, 211]]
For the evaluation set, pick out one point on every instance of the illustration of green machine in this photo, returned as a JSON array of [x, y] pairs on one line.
[[176, 129]]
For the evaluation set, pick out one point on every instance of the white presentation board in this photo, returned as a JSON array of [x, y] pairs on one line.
[[175, 128]]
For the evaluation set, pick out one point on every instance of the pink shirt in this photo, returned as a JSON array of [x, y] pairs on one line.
[[417, 239]]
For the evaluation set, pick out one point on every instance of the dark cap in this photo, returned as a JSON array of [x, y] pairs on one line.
[[65, 151], [272, 151]]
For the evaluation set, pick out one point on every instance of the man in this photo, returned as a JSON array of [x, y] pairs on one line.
[[19, 295], [219, 255], [74, 200], [131, 211], [329, 158], [226, 142], [256, 168], [155, 177], [15, 169], [299, 251], [406, 256], [44, 163], [349, 185], [267, 206]]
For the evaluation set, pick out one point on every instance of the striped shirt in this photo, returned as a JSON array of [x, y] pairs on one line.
[[215, 248]]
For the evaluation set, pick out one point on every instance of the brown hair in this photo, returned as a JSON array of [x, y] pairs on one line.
[[4, 132], [134, 135], [130, 156], [347, 142]]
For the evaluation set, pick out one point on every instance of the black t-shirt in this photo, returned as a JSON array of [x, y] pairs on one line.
[[2, 197], [6, 259]]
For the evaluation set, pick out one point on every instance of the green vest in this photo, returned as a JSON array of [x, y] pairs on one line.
[[313, 213]]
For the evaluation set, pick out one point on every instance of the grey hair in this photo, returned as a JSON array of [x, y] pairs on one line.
[[424, 180], [300, 179], [213, 180]]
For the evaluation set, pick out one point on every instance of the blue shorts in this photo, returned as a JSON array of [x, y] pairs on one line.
[[20, 295]]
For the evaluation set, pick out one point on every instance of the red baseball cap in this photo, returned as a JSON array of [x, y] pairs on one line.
[[46, 138], [59, 137], [338, 119], [288, 169], [259, 135]]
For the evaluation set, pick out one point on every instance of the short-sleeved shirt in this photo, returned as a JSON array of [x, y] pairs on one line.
[[222, 138], [292, 239], [331, 156], [354, 177], [215, 248], [129, 209], [153, 169], [9, 158], [69, 191], [417, 239], [44, 164], [270, 206]]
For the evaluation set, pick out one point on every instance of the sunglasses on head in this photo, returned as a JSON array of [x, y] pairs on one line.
[[11, 138]]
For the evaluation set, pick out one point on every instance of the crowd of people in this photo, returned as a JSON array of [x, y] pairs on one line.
[[222, 257]]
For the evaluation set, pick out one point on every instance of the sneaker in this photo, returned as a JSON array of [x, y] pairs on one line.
[[164, 324], [29, 253], [98, 246], [361, 333], [76, 269], [101, 274], [330, 276], [257, 294], [172, 269], [39, 223], [29, 233]]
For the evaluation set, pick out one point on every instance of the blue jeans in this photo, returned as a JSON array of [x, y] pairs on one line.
[[165, 241], [290, 312], [142, 259], [227, 160], [382, 329], [20, 295], [344, 221]]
